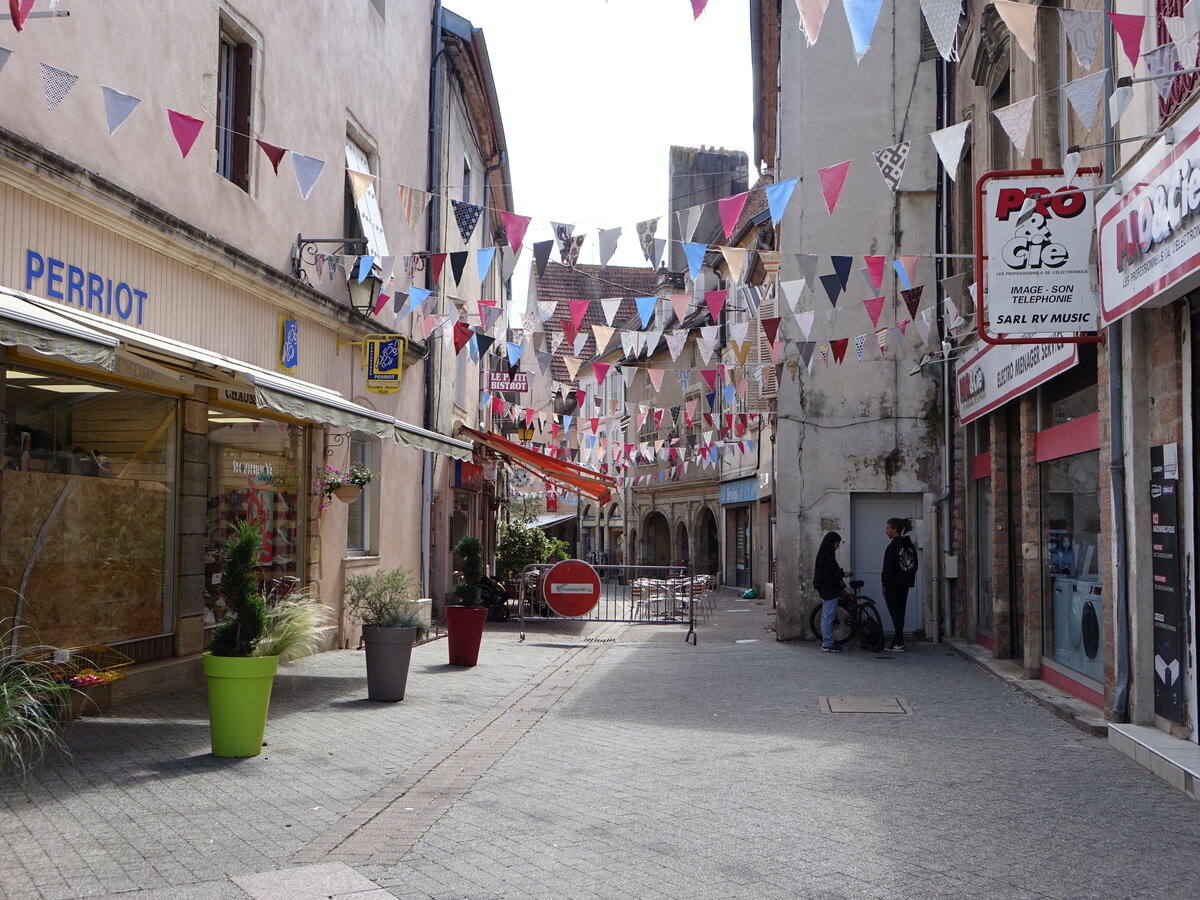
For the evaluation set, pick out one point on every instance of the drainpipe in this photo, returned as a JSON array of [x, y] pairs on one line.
[[431, 360], [1116, 467], [941, 505]]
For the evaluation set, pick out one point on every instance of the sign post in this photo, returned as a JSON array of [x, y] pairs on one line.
[[571, 588]]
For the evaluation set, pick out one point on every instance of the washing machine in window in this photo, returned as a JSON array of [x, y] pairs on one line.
[[1063, 648], [1090, 650]]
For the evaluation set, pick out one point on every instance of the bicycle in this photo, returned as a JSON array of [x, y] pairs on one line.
[[856, 616]]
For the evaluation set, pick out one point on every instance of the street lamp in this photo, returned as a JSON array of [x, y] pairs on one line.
[[525, 433], [364, 290]]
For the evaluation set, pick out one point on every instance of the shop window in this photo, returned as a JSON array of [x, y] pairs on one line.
[[88, 509], [1074, 394], [235, 85], [257, 470], [360, 526]]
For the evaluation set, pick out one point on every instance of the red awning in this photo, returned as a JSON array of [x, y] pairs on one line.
[[557, 471]]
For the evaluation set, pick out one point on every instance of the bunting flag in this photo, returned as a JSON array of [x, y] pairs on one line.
[[735, 260], [578, 309], [778, 197], [1084, 95], [688, 219], [458, 263], [906, 269], [804, 321], [4, 55], [862, 16], [360, 183], [185, 129], [807, 264], [912, 299], [572, 363], [645, 308], [541, 255], [1082, 27], [436, 262], [1017, 119], [603, 335], [949, 143], [770, 328], [1186, 40], [812, 14], [308, 169], [710, 378], [413, 203], [656, 378], [19, 12], [466, 216], [806, 349], [832, 180], [514, 228], [1118, 103], [610, 305], [1071, 166], [1161, 61], [1021, 20], [839, 349], [898, 334], [601, 370], [729, 209], [891, 163], [695, 258], [685, 379], [841, 267], [1130, 30], [462, 334], [676, 340], [645, 232], [715, 301], [860, 342], [571, 246], [874, 307], [751, 297], [608, 244], [942, 16], [273, 153], [874, 270], [416, 296], [697, 8], [118, 106], [483, 261], [680, 304], [792, 291], [833, 287]]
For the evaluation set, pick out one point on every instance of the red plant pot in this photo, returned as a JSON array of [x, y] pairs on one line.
[[464, 630]]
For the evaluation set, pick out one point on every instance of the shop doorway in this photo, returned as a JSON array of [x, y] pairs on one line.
[[868, 515], [707, 546], [657, 537], [740, 572]]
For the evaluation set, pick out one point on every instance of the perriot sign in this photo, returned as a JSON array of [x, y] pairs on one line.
[[1038, 271], [383, 358]]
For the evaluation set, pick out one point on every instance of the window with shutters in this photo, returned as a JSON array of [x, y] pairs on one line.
[[235, 103], [762, 391], [363, 217]]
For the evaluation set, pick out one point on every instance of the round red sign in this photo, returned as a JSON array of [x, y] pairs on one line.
[[571, 588]]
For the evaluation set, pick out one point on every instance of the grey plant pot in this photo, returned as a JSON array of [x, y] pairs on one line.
[[389, 651]]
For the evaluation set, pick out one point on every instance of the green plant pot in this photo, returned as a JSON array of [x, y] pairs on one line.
[[389, 651], [464, 632], [239, 693]]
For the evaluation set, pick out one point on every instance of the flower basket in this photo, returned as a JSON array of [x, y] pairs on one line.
[[348, 493], [346, 486]]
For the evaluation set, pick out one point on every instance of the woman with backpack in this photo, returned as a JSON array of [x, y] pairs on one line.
[[827, 580], [899, 575]]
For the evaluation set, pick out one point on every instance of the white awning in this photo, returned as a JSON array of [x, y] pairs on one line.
[[24, 323], [272, 390], [548, 519]]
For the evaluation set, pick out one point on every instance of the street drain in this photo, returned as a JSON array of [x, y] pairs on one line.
[[885, 706], [599, 640]]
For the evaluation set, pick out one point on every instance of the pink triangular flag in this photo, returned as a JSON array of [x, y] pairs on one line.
[[730, 208], [515, 227], [832, 179], [601, 370], [875, 267], [19, 12], [874, 309], [680, 303], [578, 311], [697, 8], [1129, 29], [656, 378], [715, 301], [812, 14], [274, 154], [185, 128], [710, 378]]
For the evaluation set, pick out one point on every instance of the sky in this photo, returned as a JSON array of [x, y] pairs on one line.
[[594, 93]]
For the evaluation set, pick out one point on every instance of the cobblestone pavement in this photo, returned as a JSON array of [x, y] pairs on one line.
[[573, 765]]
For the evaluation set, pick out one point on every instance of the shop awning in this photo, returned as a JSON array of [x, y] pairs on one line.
[[422, 439], [549, 519], [24, 323], [272, 390], [557, 471]]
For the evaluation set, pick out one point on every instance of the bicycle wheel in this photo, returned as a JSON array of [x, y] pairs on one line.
[[843, 623], [870, 627]]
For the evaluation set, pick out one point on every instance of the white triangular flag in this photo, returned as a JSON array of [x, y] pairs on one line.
[[1017, 119], [792, 290], [117, 107], [610, 305], [949, 145], [608, 244], [1070, 167], [1084, 95], [1118, 102], [1082, 27]]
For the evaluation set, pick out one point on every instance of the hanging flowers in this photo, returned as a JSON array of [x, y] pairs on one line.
[[346, 486]]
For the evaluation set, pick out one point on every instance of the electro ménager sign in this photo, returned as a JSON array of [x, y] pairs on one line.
[[1038, 267]]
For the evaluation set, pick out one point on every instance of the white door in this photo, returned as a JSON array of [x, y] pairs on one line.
[[868, 515]]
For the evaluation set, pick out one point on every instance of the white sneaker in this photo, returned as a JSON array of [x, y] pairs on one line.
[[896, 648]]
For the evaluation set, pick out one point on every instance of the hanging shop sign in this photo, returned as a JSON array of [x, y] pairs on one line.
[[1149, 226], [990, 375], [506, 382], [289, 344], [1038, 255], [467, 476], [383, 356], [744, 490], [1168, 592]]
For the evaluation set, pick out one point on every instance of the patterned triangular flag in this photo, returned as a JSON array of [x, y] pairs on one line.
[[466, 216], [413, 203], [912, 299], [942, 17], [1017, 119], [891, 163], [57, 82], [645, 233], [1082, 27], [1160, 62]]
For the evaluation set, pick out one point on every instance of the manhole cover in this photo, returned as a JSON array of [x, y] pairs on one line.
[[887, 706]]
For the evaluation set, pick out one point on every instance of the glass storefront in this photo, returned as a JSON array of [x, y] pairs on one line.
[[88, 507], [257, 470]]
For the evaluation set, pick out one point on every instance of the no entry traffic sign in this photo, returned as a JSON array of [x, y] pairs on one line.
[[571, 588]]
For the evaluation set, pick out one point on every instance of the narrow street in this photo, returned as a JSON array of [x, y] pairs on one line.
[[635, 767]]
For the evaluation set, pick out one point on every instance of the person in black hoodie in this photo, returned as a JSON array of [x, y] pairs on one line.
[[899, 575], [827, 580]]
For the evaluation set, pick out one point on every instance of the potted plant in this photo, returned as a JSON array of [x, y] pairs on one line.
[[35, 703], [464, 622], [346, 486], [246, 649], [391, 624]]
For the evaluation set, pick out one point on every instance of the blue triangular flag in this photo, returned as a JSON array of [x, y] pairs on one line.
[[416, 296], [695, 257], [749, 446], [483, 261], [567, 422], [645, 306], [711, 398], [841, 265], [898, 265], [364, 267], [484, 399], [778, 196], [862, 16], [514, 353], [833, 287], [730, 393], [473, 346]]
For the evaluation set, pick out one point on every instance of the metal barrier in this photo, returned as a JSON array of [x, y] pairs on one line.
[[633, 594]]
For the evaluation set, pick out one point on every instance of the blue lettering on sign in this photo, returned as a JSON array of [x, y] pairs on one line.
[[84, 289]]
